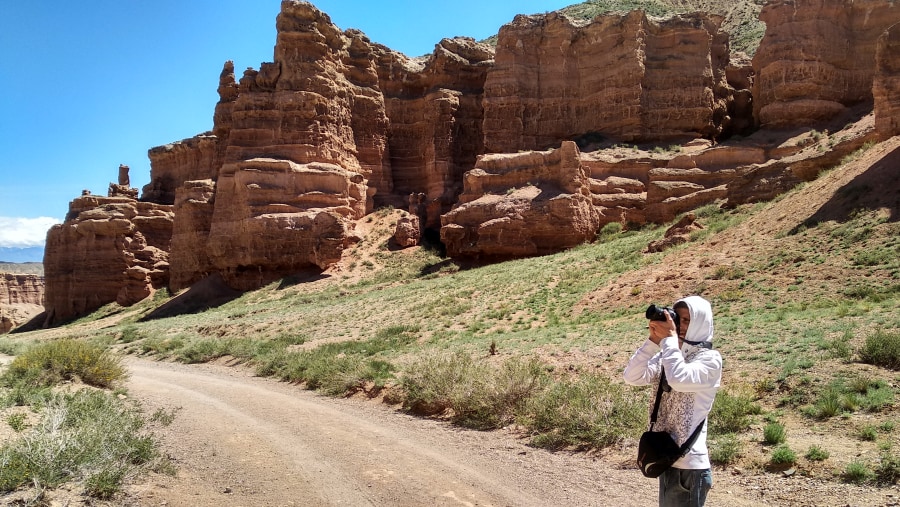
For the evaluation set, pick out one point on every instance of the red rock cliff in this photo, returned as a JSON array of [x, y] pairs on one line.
[[108, 249], [620, 76], [817, 58]]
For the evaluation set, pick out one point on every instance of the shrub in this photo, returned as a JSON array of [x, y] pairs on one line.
[[868, 433], [49, 363], [783, 455], [888, 470], [587, 412], [816, 453], [882, 349], [731, 413], [858, 472], [478, 395], [16, 421], [774, 433], [725, 449], [87, 435]]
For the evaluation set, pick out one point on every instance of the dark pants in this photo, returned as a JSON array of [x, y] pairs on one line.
[[684, 488]]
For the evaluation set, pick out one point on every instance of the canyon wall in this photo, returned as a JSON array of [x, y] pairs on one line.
[[508, 151], [21, 298], [817, 58], [886, 89], [623, 77], [108, 249]]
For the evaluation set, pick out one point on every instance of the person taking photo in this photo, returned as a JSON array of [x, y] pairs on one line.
[[693, 374]]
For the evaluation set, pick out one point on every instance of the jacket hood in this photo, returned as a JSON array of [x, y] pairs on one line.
[[701, 326]]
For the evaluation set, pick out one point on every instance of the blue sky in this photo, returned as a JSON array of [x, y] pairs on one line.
[[90, 85]]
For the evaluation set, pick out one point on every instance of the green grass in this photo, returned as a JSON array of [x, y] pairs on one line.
[[774, 433], [882, 348], [49, 363], [587, 412], [87, 437]]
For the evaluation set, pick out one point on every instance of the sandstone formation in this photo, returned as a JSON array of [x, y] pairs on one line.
[[21, 298], [619, 76], [817, 58], [109, 249], [516, 205], [678, 233], [408, 231], [887, 83], [480, 143]]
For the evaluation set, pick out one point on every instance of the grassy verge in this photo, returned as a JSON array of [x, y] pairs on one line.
[[88, 436]]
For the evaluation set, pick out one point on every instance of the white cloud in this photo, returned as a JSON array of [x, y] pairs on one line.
[[17, 232]]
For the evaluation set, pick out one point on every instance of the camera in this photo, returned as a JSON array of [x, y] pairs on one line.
[[659, 313]]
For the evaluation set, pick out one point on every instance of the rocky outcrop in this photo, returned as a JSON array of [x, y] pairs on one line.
[[817, 58], [435, 112], [108, 249], [886, 88], [677, 234], [21, 299], [619, 76], [336, 125], [274, 217], [408, 231], [190, 232], [516, 205], [173, 164]]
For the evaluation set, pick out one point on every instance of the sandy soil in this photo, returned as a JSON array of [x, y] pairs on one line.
[[239, 440]]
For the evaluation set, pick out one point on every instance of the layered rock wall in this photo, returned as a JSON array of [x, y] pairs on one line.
[[516, 205], [620, 76], [817, 58], [108, 249], [886, 89]]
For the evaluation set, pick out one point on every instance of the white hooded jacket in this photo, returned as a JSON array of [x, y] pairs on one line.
[[694, 372]]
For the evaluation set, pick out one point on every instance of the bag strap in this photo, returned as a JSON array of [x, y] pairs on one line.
[[693, 438], [659, 390]]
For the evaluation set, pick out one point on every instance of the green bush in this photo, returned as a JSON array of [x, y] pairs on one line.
[[16, 421], [477, 394], [731, 413], [90, 436], [858, 472], [725, 449], [888, 470], [774, 433], [49, 363], [816, 453], [882, 348], [868, 433], [783, 455], [587, 412]]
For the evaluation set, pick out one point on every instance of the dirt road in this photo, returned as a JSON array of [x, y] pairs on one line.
[[240, 440]]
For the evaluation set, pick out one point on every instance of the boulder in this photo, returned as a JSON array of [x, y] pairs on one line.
[[408, 231], [516, 205], [678, 233]]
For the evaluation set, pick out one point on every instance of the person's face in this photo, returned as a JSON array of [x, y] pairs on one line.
[[684, 320]]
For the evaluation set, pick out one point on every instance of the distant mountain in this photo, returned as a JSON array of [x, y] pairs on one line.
[[31, 254]]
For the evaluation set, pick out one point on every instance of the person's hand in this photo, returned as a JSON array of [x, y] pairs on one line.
[[660, 329]]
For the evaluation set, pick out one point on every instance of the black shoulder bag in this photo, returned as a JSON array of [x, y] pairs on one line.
[[657, 450]]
